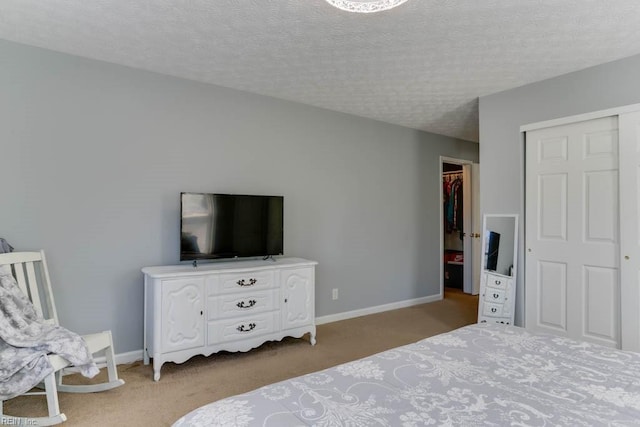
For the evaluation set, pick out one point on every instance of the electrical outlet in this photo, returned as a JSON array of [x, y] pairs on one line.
[[335, 293]]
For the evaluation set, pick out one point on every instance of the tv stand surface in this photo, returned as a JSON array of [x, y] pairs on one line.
[[232, 306]]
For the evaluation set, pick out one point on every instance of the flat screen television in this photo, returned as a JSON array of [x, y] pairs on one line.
[[491, 256], [216, 226]]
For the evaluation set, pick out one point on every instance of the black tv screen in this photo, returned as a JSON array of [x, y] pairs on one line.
[[230, 225], [491, 256]]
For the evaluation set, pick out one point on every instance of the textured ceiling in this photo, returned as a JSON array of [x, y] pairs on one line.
[[422, 65]]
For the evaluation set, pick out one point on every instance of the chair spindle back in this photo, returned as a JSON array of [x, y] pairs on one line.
[[27, 267]]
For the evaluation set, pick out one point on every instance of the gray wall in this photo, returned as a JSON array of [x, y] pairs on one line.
[[502, 151], [95, 156]]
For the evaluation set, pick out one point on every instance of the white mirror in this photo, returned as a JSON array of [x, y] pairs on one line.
[[500, 243], [498, 278]]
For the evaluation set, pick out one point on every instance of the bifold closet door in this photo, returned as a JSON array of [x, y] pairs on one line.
[[629, 125], [572, 277]]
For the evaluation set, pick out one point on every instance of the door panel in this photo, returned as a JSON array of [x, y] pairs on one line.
[[552, 295], [552, 207], [182, 309], [298, 307], [601, 144], [601, 207], [630, 235], [572, 230], [552, 149], [602, 296]]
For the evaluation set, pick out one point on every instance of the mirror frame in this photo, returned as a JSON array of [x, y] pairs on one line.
[[515, 241]]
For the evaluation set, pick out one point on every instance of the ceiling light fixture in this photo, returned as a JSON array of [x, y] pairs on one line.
[[365, 6]]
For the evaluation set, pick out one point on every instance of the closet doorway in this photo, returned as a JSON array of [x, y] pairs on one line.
[[459, 226]]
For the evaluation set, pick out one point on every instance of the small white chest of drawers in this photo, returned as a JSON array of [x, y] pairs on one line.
[[232, 306], [497, 298]]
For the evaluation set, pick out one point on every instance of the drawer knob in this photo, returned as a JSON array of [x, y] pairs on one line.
[[493, 309], [243, 328], [498, 282], [496, 296], [252, 282], [242, 304]]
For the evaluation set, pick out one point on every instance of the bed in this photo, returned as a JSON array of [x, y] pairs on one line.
[[480, 374]]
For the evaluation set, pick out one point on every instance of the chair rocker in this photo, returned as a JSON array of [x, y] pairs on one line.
[[30, 268]]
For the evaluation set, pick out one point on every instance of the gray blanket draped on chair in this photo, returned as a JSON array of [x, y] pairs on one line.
[[25, 341], [5, 247]]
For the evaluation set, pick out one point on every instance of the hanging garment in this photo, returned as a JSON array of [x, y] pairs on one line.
[[453, 210]]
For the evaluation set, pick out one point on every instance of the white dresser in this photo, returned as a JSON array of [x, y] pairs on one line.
[[497, 298], [232, 306]]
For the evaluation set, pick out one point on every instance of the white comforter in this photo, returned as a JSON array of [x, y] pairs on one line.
[[483, 374]]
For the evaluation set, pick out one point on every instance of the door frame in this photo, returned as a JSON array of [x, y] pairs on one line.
[[579, 118], [471, 179]]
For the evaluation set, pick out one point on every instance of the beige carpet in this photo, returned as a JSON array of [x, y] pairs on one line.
[[200, 380]]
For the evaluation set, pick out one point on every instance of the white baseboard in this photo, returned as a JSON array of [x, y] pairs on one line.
[[129, 357], [121, 358], [377, 309], [134, 356]]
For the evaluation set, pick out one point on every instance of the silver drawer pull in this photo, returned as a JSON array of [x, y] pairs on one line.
[[242, 328], [497, 282], [241, 304], [496, 296], [252, 282], [493, 309]]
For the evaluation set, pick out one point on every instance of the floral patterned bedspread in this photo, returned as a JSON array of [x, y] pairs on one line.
[[481, 374]]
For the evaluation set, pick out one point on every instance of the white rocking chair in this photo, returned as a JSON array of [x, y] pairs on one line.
[[29, 268]]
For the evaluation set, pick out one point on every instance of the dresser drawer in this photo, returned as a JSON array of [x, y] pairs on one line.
[[250, 280], [495, 295], [497, 281], [493, 310], [242, 328], [241, 304]]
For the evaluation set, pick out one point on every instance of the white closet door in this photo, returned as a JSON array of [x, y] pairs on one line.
[[630, 236], [572, 231]]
